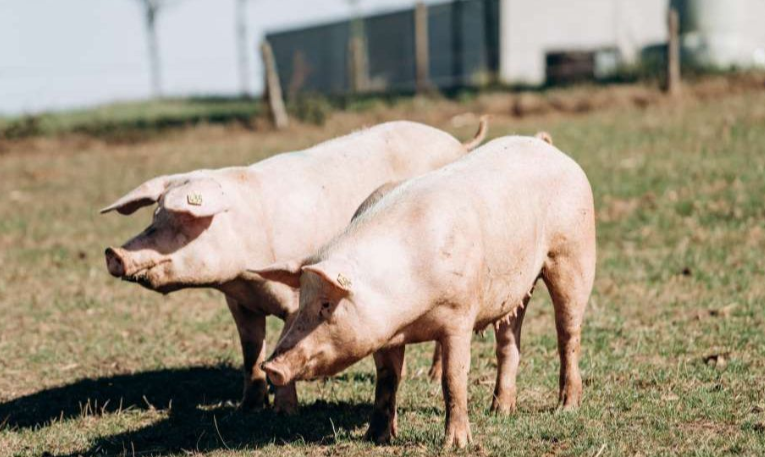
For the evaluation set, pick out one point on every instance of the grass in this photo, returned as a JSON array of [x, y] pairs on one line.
[[128, 121], [673, 347]]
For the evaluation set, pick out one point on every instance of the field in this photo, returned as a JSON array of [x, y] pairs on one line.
[[674, 340]]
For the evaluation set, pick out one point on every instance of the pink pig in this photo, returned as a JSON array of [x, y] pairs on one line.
[[439, 257], [210, 224]]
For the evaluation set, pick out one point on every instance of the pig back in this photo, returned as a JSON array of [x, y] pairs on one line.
[[524, 195], [478, 231], [309, 196]]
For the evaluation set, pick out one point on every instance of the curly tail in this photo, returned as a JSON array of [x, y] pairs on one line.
[[480, 135], [544, 136]]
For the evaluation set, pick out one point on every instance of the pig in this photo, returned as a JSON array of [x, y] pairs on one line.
[[209, 224], [437, 258]]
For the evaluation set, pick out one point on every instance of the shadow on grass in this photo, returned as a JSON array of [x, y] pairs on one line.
[[199, 413]]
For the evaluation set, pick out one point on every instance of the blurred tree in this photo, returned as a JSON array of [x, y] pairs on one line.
[[242, 45], [151, 9]]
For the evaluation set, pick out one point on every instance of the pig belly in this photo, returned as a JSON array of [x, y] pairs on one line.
[[428, 327], [510, 274]]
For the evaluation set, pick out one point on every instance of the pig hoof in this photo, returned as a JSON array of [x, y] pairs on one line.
[[252, 404], [502, 408], [288, 409], [380, 435], [564, 407], [435, 374], [255, 397], [570, 401], [382, 431], [458, 436]]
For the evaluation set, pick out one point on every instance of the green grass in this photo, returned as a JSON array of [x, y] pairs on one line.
[[673, 348], [132, 120]]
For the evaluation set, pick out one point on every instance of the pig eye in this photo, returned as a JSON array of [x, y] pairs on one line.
[[326, 305]]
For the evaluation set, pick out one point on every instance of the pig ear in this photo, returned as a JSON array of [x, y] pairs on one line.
[[286, 273], [332, 276], [144, 195], [201, 197]]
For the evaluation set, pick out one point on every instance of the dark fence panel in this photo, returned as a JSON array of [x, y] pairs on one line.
[[463, 45], [441, 44], [390, 50], [313, 59]]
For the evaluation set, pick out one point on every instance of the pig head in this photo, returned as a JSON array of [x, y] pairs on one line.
[[340, 320], [191, 240]]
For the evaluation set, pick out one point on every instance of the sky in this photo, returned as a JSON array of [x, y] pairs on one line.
[[61, 54]]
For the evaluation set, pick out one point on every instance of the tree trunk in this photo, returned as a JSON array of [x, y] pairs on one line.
[[151, 36], [673, 54], [241, 36]]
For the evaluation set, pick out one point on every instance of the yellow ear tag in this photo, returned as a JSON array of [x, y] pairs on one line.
[[343, 281], [194, 199]]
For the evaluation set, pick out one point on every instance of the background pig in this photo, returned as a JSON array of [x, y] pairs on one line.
[[209, 224], [438, 257]]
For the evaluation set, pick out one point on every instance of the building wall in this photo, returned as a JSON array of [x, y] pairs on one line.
[[723, 34], [530, 29]]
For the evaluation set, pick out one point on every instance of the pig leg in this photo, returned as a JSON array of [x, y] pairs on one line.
[[508, 350], [285, 397], [252, 332], [383, 425], [569, 279], [456, 361], [436, 368]]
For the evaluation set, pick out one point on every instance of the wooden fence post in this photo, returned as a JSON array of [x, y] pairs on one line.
[[421, 44], [672, 86], [357, 62], [273, 91]]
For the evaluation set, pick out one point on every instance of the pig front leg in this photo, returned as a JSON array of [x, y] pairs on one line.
[[508, 350], [252, 332], [456, 362], [383, 425]]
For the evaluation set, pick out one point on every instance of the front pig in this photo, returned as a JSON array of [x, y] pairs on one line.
[[208, 225], [439, 257]]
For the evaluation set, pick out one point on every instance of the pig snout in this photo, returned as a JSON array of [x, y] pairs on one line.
[[115, 262], [286, 365], [278, 372]]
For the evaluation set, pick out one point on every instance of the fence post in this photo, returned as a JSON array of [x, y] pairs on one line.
[[421, 44], [357, 59], [273, 91], [673, 54]]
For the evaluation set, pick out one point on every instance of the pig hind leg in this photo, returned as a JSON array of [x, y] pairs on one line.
[[508, 350], [389, 363], [252, 331], [436, 367], [569, 273]]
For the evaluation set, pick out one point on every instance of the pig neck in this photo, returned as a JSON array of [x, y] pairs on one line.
[[386, 280], [252, 242], [261, 296]]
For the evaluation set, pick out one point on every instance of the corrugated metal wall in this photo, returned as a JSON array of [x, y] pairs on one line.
[[463, 43]]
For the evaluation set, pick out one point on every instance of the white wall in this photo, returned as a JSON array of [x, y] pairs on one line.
[[530, 28], [724, 34]]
